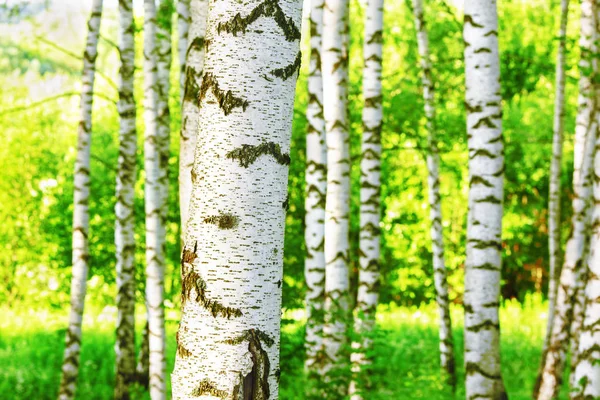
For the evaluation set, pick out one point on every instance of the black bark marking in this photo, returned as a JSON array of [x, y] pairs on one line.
[[193, 281], [227, 101], [248, 154], [181, 350], [485, 121], [206, 386], [469, 20], [289, 70], [268, 8], [223, 221]]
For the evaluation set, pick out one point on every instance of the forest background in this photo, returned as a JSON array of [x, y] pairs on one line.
[[40, 69]]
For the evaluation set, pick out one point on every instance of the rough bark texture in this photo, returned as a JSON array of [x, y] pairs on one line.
[[484, 231], [316, 187], [335, 82], [183, 26], [142, 369], [190, 109], [228, 338], [80, 256], [370, 193], [155, 258], [550, 380], [433, 180], [587, 370], [554, 244], [125, 344]]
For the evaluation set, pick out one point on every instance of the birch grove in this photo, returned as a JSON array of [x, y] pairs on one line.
[[316, 189], [228, 338], [549, 382], [81, 218], [124, 236], [437, 235], [337, 206], [155, 258], [194, 61], [486, 187], [370, 193]]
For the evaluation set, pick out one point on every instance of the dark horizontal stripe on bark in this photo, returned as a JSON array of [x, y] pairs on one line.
[[469, 20], [289, 70], [227, 101], [268, 8], [484, 244], [193, 281], [489, 199], [485, 325], [223, 221], [249, 334], [376, 37], [485, 121], [247, 154], [473, 368], [208, 387]]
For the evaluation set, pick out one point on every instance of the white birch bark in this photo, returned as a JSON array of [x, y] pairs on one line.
[[183, 26], [124, 235], [155, 259], [190, 110], [316, 187], [370, 193], [228, 339], [484, 231], [585, 133], [80, 255], [337, 208], [447, 360], [554, 244], [587, 371]]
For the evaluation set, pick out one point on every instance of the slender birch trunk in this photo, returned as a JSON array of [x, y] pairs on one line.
[[155, 259], [554, 244], [585, 134], [316, 188], [337, 208], [484, 231], [142, 369], [190, 109], [370, 193], [81, 218], [183, 27], [437, 236], [587, 370], [228, 338], [124, 235]]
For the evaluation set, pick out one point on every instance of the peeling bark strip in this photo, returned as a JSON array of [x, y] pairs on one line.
[[231, 287], [156, 31], [370, 211], [549, 382], [484, 231], [446, 346], [337, 208], [193, 55], [248, 154], [81, 219], [314, 204]]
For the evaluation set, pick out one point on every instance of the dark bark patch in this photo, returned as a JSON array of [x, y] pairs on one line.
[[226, 99], [247, 154], [289, 70], [223, 221]]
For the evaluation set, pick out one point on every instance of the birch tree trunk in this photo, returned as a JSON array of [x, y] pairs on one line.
[[484, 232], [183, 27], [316, 188], [81, 218], [124, 233], [585, 134], [190, 110], [587, 370], [437, 236], [155, 259], [370, 193], [554, 244], [228, 338], [337, 207]]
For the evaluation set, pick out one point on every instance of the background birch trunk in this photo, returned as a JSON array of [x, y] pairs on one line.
[[447, 360], [484, 231], [587, 371], [81, 218], [554, 243], [337, 208], [194, 63], [155, 259], [183, 26], [228, 339], [125, 344], [370, 194], [551, 377], [316, 189]]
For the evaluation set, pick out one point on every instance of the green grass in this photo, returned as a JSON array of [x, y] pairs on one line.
[[406, 350]]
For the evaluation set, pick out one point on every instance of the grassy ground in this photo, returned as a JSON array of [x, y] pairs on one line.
[[406, 365]]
